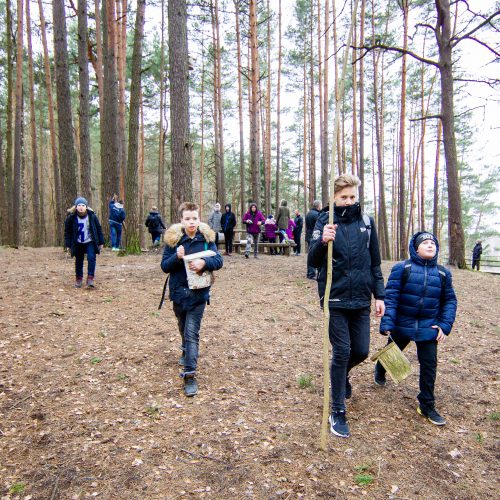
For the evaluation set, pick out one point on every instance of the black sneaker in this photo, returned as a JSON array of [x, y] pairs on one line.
[[190, 385], [338, 424], [246, 255], [348, 388], [379, 375], [432, 416]]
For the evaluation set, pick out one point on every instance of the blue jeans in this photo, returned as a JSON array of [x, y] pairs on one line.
[[115, 232], [80, 251], [349, 332], [189, 323], [156, 237]]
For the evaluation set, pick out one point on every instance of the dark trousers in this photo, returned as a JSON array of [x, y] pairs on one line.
[[296, 238], [476, 263], [217, 239], [349, 332], [80, 251], [228, 240], [115, 233], [156, 236], [189, 323], [311, 271], [427, 358]]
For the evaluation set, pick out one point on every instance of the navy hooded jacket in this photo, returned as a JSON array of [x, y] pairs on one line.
[[178, 285], [413, 308], [356, 273], [71, 230]]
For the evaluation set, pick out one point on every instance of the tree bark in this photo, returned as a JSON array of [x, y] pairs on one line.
[[254, 104], [312, 120], [84, 111], [278, 109], [121, 55], [267, 144], [132, 236], [435, 203], [361, 173], [162, 131], [182, 189], [325, 189]]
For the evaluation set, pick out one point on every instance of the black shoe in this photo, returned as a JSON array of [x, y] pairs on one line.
[[379, 376], [348, 388], [190, 385], [246, 255], [338, 424], [432, 416]]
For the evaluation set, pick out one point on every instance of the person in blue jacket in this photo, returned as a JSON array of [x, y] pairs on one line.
[[188, 237], [356, 279], [420, 305], [116, 218]]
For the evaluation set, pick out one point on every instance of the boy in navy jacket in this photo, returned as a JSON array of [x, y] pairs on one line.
[[188, 237], [420, 305]]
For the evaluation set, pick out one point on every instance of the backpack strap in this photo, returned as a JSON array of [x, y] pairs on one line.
[[368, 226], [406, 272], [442, 276], [163, 293]]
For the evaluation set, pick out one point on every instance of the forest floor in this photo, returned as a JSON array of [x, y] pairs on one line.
[[91, 404]]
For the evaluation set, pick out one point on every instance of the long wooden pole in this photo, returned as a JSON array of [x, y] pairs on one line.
[[326, 302]]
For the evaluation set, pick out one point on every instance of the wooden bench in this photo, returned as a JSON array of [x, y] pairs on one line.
[[239, 246]]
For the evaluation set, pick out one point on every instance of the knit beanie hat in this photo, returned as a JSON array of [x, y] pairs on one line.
[[81, 201], [422, 237]]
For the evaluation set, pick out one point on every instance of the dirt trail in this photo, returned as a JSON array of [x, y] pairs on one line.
[[91, 403]]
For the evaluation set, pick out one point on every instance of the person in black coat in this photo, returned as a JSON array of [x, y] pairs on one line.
[[155, 225], [476, 255], [297, 231], [83, 235], [356, 277], [228, 223], [311, 218]]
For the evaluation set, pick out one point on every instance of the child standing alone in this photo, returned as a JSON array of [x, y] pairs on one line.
[[420, 305], [188, 237]]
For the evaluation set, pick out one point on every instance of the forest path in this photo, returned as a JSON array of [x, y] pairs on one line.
[[91, 403]]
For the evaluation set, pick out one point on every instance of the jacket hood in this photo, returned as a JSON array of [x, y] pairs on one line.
[[253, 205], [175, 232], [72, 210], [284, 203], [227, 205], [414, 255]]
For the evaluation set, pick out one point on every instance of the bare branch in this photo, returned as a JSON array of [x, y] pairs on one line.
[[427, 117], [488, 20], [388, 48], [428, 26], [485, 45], [492, 82]]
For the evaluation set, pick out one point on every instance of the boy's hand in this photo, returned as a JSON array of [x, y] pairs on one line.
[[329, 232], [180, 252], [197, 265], [386, 333], [441, 337], [379, 308]]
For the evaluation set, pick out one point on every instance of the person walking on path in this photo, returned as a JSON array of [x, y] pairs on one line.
[[283, 216], [155, 225], [253, 219], [214, 221], [83, 235], [356, 276], [188, 237], [116, 218], [476, 255], [311, 218], [421, 306], [297, 232], [228, 223]]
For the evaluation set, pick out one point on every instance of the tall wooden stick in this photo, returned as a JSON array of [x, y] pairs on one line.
[[326, 302]]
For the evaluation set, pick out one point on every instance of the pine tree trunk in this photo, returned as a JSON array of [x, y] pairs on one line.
[[456, 239], [121, 54], [141, 177], [240, 108], [132, 237], [38, 237], [182, 189], [110, 153], [325, 190], [3, 195], [435, 203], [305, 134], [354, 155], [18, 129], [267, 181], [98, 66], [278, 109], [202, 119], [361, 160], [162, 134], [84, 111], [312, 121], [254, 104], [58, 204]]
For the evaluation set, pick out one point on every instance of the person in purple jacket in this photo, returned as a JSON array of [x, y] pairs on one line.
[[270, 230], [253, 219]]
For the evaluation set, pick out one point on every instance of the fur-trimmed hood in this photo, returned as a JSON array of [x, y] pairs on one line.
[[72, 210], [175, 232]]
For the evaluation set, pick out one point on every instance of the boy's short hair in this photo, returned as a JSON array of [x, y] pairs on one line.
[[346, 180], [187, 206]]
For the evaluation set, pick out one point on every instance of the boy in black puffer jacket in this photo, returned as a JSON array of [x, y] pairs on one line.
[[155, 226], [356, 278], [188, 237], [421, 306]]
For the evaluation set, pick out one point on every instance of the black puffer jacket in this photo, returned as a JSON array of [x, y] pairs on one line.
[[311, 218], [154, 222], [71, 230], [356, 273]]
